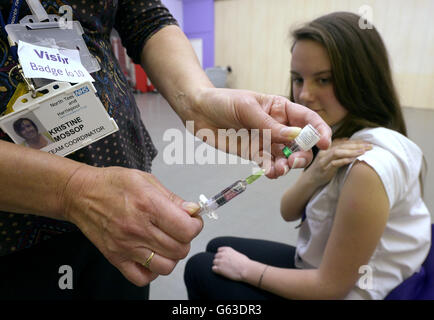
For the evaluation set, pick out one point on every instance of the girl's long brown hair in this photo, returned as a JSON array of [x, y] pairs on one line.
[[361, 73]]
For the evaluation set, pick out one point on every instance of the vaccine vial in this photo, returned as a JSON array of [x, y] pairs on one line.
[[306, 139]]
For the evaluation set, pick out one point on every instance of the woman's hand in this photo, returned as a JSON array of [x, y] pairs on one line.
[[216, 108], [341, 152], [230, 263], [174, 69], [128, 214]]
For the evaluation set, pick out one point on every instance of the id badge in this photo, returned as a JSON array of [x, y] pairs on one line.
[[64, 119], [53, 34]]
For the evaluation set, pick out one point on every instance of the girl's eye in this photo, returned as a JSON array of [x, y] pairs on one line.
[[324, 81], [297, 80]]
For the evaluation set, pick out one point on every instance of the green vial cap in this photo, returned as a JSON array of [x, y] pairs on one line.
[[287, 152]]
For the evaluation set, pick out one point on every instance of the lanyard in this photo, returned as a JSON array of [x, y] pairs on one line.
[[37, 10], [12, 19], [13, 14]]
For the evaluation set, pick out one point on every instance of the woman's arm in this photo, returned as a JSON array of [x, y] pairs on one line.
[[126, 213], [360, 219], [173, 68], [33, 181], [172, 65]]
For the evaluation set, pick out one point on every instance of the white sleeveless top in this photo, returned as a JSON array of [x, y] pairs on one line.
[[406, 239]]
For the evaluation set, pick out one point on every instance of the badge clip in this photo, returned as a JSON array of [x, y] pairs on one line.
[[28, 82], [53, 34]]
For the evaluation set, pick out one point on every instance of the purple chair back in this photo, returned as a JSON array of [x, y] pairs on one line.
[[420, 286]]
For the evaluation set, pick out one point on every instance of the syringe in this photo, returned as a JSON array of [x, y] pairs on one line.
[[209, 206], [306, 139]]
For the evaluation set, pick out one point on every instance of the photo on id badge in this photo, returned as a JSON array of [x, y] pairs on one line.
[[28, 131]]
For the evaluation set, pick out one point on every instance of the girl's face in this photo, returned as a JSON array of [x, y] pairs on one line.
[[311, 80]]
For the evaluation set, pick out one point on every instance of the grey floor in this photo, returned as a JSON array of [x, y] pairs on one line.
[[255, 213]]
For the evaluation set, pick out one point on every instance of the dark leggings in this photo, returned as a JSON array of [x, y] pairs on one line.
[[203, 283], [33, 274]]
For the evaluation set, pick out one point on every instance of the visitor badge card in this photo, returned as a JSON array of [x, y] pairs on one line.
[[62, 120], [52, 63]]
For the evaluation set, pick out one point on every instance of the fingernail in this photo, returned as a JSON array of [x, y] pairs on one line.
[[298, 163], [267, 170], [191, 207], [266, 166], [290, 133], [286, 168]]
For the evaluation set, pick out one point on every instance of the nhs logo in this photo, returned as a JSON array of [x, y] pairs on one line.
[[81, 91]]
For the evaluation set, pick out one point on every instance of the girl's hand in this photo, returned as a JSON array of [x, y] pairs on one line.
[[341, 152]]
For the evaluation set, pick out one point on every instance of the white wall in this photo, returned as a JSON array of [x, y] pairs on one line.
[[252, 37]]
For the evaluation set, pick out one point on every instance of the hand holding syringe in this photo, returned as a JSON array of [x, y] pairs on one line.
[[307, 138]]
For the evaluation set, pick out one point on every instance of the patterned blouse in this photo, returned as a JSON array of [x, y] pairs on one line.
[[131, 146]]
